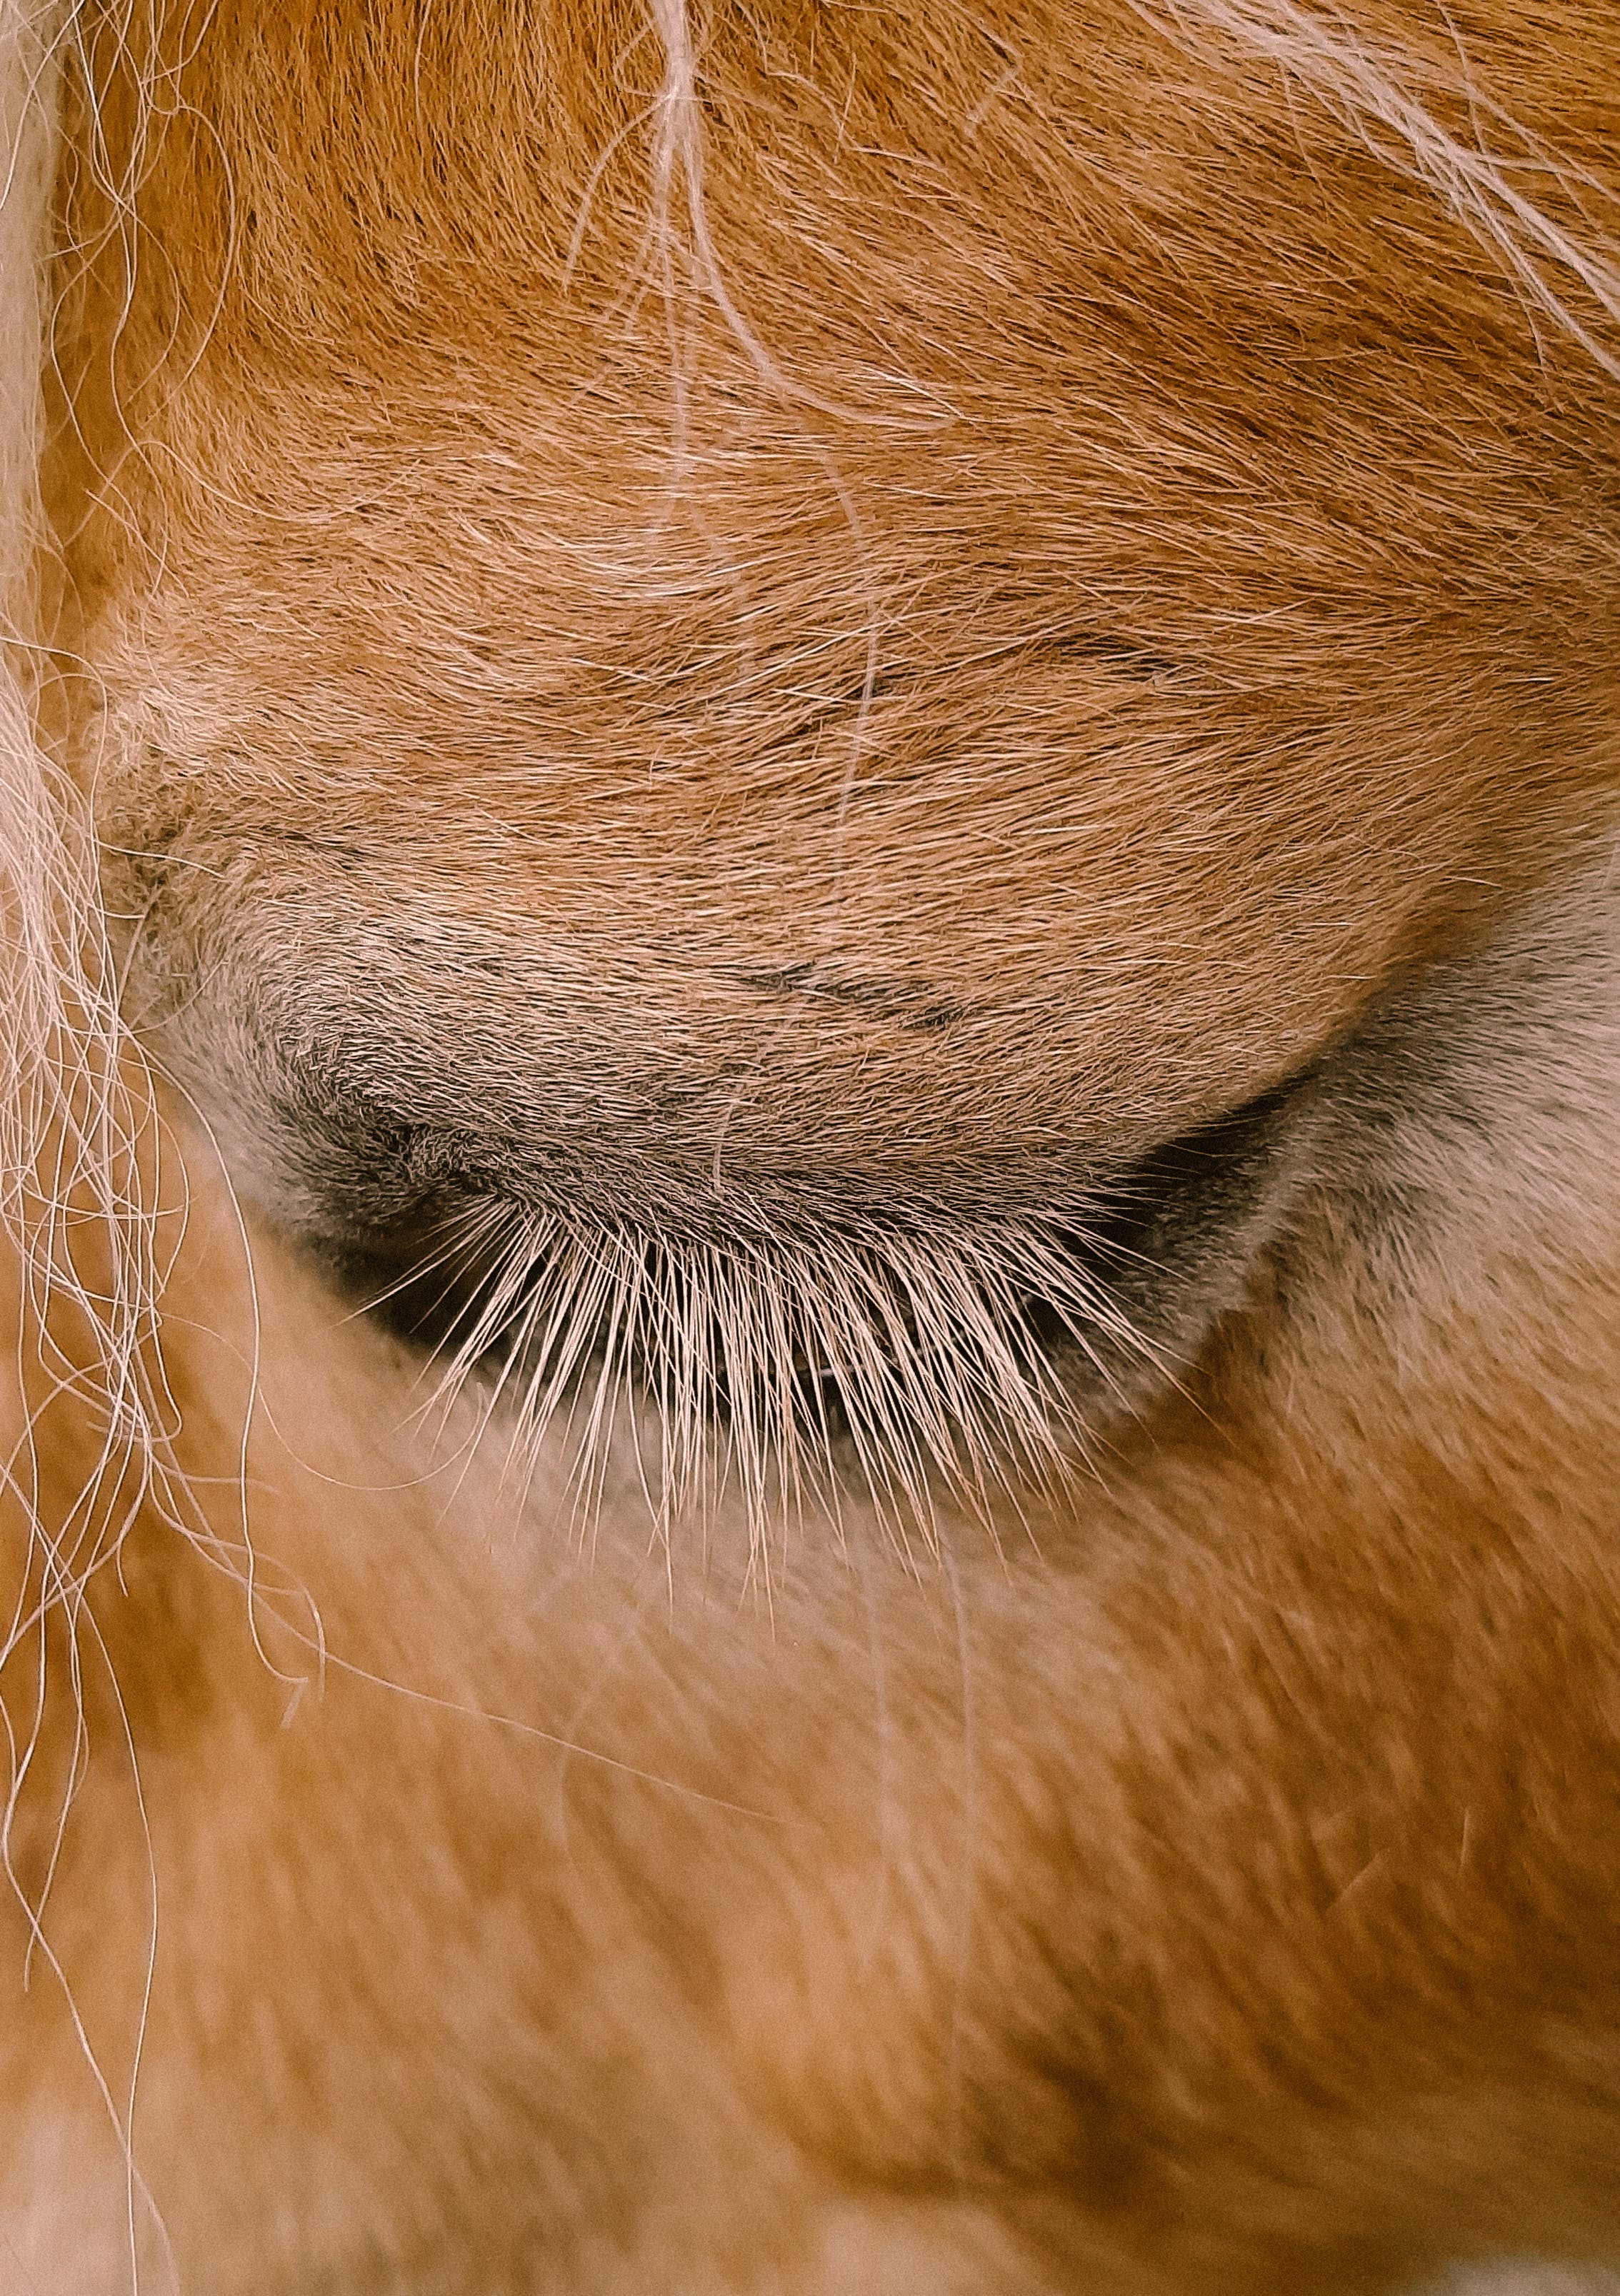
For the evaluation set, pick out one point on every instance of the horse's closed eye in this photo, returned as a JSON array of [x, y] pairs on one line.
[[917, 1348]]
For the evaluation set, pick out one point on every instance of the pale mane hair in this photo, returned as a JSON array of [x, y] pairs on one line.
[[76, 1107], [72, 1100]]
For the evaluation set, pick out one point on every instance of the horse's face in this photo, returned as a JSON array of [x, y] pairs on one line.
[[821, 676]]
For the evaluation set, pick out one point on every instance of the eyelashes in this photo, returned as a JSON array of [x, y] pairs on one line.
[[922, 1353], [923, 1358]]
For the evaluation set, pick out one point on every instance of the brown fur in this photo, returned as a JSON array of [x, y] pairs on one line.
[[863, 622]]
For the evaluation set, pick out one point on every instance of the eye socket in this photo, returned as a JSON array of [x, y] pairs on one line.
[[923, 1352]]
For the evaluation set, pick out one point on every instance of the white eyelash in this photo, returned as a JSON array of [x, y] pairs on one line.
[[923, 1335]]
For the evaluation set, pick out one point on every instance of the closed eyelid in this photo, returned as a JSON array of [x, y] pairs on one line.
[[919, 1347]]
